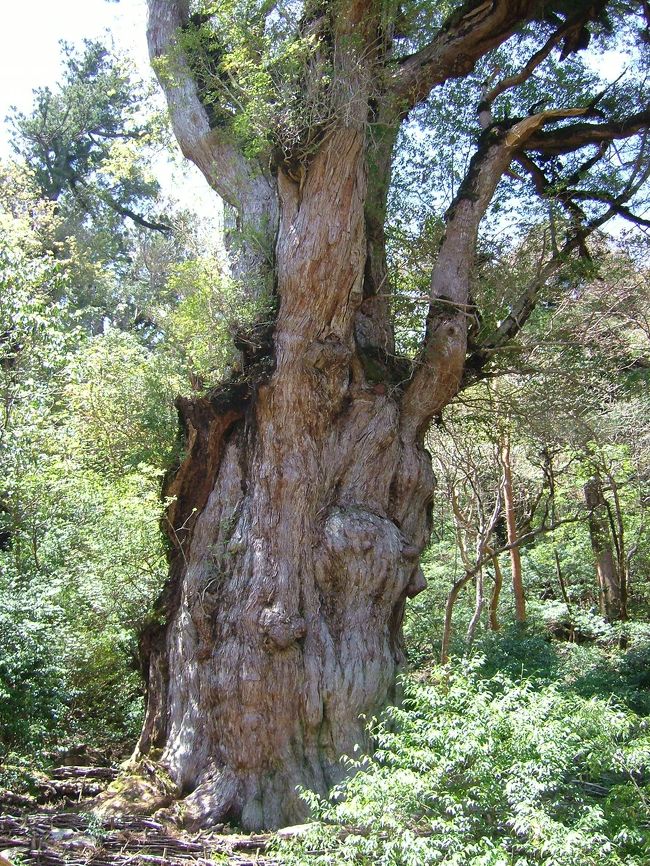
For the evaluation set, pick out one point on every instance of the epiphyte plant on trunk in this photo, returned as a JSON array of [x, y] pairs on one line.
[[302, 504]]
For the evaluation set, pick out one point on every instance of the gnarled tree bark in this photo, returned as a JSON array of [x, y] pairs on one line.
[[610, 593]]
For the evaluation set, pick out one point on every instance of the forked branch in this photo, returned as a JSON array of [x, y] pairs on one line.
[[439, 366], [475, 28]]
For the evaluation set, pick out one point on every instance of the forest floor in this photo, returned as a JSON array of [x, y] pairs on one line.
[[56, 826]]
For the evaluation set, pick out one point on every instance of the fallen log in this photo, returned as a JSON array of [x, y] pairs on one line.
[[108, 773], [8, 799], [55, 839]]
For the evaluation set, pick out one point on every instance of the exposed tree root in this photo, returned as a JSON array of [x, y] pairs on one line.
[[143, 789], [69, 838]]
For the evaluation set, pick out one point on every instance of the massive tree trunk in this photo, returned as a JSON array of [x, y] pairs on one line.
[[301, 511], [301, 508], [284, 626]]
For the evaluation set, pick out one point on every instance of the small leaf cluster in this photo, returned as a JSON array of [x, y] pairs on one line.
[[251, 68]]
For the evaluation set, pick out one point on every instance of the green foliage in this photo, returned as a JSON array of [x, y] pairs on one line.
[[32, 692], [80, 141], [486, 769], [209, 310], [85, 152], [120, 404], [250, 72], [86, 429]]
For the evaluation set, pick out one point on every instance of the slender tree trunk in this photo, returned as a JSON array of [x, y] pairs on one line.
[[478, 610], [617, 526], [472, 570], [496, 593], [511, 526], [449, 613], [609, 588]]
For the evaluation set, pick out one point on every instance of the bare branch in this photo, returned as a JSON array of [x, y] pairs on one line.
[[471, 571], [525, 73], [526, 538], [439, 366], [605, 198], [570, 138]]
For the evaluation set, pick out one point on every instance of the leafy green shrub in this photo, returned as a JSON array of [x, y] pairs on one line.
[[518, 652], [491, 771], [623, 675], [79, 581], [32, 680], [120, 405], [210, 309]]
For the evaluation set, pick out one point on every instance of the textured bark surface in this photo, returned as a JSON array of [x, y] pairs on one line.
[[301, 509], [299, 518]]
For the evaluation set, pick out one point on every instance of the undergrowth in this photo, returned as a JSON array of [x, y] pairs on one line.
[[525, 754]]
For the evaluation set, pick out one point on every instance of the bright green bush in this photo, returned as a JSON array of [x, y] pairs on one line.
[[32, 679], [81, 551], [492, 771], [78, 580]]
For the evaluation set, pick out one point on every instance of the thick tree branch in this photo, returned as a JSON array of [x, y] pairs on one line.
[[525, 73], [439, 366], [606, 198], [475, 28], [580, 135], [206, 148], [570, 138], [238, 180]]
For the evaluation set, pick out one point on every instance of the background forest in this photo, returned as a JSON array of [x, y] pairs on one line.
[[523, 732]]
